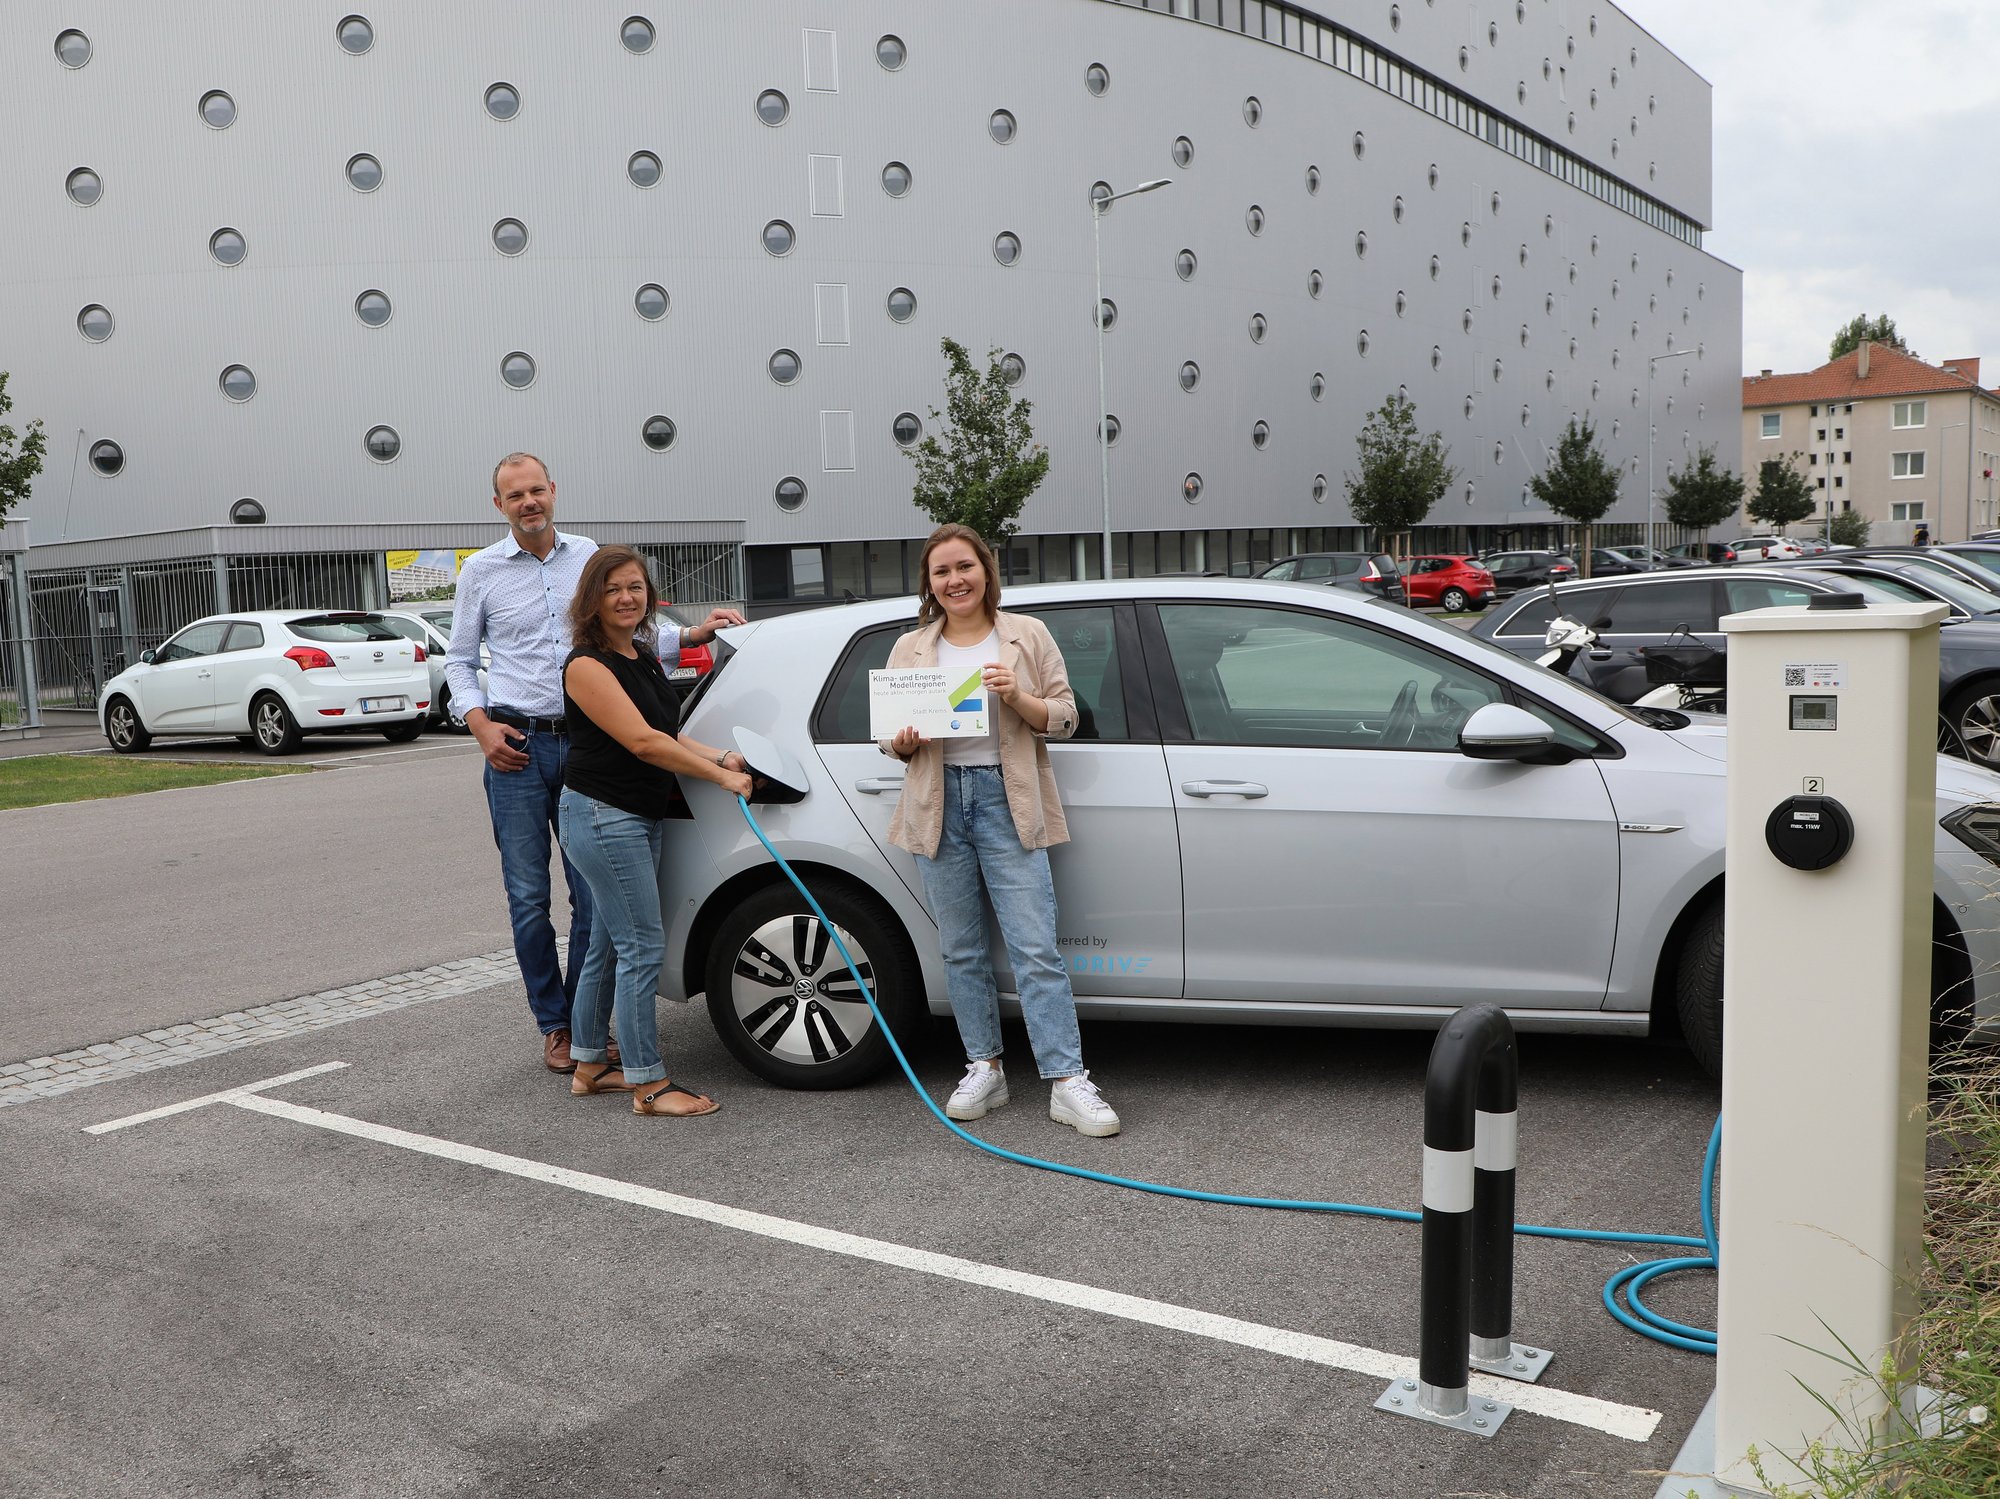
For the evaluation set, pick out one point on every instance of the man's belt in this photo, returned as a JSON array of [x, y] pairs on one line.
[[528, 721]]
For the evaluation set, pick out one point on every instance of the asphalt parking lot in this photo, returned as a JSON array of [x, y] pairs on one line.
[[431, 1271]]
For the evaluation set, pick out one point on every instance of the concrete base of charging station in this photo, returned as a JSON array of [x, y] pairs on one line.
[[1693, 1472]]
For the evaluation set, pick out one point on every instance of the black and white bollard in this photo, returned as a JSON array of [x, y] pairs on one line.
[[1467, 1292]]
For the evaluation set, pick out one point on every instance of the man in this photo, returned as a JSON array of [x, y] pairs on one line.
[[515, 596]]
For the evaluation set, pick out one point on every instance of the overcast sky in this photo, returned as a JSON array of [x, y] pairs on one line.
[[1857, 167]]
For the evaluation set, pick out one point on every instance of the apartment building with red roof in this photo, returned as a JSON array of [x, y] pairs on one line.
[[1909, 445]]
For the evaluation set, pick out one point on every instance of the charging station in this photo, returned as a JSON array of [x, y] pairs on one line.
[[1826, 984]]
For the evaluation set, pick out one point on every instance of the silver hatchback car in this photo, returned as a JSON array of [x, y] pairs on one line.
[[1287, 806]]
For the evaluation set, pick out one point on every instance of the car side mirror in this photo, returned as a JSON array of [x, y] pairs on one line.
[[147, 656], [1500, 731]]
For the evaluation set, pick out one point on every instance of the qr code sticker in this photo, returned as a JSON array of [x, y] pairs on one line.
[[1795, 676]]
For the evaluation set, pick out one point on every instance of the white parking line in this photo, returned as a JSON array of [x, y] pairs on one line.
[[227, 1095], [1631, 1423]]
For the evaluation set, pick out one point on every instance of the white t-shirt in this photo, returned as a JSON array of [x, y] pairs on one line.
[[958, 662]]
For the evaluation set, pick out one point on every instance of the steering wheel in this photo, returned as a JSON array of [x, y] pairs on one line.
[[1401, 725]]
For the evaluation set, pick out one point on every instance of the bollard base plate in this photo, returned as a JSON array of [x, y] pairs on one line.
[[1480, 1417], [1524, 1364]]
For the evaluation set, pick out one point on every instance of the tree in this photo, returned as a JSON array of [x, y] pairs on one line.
[[1783, 496], [1881, 330], [1848, 529], [1701, 496], [1579, 485], [20, 454], [1402, 475], [980, 467]]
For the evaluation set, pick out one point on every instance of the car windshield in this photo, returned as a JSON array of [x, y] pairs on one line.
[[1979, 557], [1465, 643], [1968, 595], [341, 628]]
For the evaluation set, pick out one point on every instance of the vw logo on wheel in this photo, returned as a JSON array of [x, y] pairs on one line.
[[804, 988]]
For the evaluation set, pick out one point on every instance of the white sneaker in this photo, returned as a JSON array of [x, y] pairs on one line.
[[1076, 1102], [982, 1088]]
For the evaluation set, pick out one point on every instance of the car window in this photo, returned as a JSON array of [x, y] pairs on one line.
[[1283, 572], [196, 640], [1980, 558], [409, 629], [1640, 610], [1280, 677], [1321, 567], [341, 629], [1533, 617], [1763, 593], [243, 636], [1085, 636]]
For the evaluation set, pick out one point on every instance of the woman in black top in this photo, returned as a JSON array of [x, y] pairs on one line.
[[625, 748]]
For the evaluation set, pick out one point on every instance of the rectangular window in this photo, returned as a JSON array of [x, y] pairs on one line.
[[1839, 480], [1909, 413], [1907, 465], [1821, 481], [1839, 434], [1822, 434], [1812, 458], [1907, 510]]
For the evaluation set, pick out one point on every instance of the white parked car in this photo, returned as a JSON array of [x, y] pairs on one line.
[[1766, 549], [435, 639], [269, 677]]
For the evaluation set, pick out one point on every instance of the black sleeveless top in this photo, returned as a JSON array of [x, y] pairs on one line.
[[601, 768]]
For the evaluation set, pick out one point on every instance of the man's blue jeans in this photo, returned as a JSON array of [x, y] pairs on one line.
[[619, 854], [980, 849], [523, 805]]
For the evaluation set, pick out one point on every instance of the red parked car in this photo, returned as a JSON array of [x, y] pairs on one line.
[[1455, 584]]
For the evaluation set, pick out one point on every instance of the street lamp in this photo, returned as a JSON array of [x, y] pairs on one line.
[[1652, 537], [1968, 482], [1097, 207]]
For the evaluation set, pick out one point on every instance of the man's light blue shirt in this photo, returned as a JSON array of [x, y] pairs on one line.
[[518, 604]]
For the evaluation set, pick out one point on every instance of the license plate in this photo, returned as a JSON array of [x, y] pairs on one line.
[[382, 705]]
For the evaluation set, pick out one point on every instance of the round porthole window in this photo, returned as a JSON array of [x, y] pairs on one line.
[[354, 34], [1254, 219], [383, 444], [237, 382], [72, 49], [636, 35], [1183, 151], [227, 247], [217, 110], [1100, 194], [1185, 265], [1258, 327], [1402, 304], [643, 167], [651, 301], [1007, 247], [784, 366], [1013, 368], [364, 173], [1000, 125], [895, 179], [84, 186], [1396, 209], [1361, 244], [1314, 281], [373, 308], [1191, 487], [1434, 268], [107, 457], [518, 370], [1437, 357], [773, 108], [901, 305], [906, 429], [779, 238], [1361, 343], [1097, 79], [1260, 435], [1434, 176], [790, 494], [1107, 313], [94, 322], [658, 433], [891, 53], [1312, 180], [1360, 145], [510, 236], [1253, 112], [1190, 375], [246, 513], [1108, 430], [1317, 385], [503, 101], [1319, 489]]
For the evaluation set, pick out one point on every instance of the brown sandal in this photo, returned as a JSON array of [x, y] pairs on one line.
[[646, 1103], [598, 1077]]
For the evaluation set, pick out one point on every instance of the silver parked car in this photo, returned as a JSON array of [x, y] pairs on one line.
[[1288, 805]]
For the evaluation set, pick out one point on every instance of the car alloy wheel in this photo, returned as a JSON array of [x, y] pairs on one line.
[[1454, 600], [782, 999], [122, 727], [271, 721], [1974, 715]]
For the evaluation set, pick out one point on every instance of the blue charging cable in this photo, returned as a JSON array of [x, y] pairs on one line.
[[1628, 1282]]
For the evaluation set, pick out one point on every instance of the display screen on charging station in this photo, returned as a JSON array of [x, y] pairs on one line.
[[1815, 711]]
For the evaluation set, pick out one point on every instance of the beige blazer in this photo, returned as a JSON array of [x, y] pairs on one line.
[[1027, 647]]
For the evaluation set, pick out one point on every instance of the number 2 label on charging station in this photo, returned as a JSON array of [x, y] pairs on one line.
[[1812, 786]]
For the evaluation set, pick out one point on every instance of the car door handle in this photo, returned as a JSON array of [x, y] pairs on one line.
[[1600, 655], [1250, 790], [876, 785]]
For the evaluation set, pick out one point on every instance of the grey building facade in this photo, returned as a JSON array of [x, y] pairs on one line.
[[288, 278]]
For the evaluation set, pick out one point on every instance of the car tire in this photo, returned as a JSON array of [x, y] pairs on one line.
[[122, 727], [1454, 601], [272, 726], [1973, 716], [769, 947], [403, 733]]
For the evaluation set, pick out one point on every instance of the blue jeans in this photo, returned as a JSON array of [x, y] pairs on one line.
[[619, 854], [980, 857], [523, 806]]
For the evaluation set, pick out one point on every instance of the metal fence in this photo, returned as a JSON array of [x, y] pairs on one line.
[[695, 572], [17, 703]]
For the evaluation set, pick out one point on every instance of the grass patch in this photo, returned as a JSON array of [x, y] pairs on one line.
[[41, 780]]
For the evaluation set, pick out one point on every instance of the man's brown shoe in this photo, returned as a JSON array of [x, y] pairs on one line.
[[555, 1052]]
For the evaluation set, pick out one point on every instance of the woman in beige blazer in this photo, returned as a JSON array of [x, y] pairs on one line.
[[980, 815]]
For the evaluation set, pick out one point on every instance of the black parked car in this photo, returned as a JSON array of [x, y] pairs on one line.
[[1363, 572], [1699, 552], [1513, 571]]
